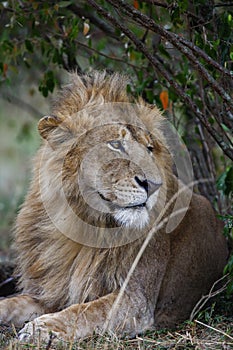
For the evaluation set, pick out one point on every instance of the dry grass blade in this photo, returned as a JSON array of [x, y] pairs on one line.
[[214, 329]]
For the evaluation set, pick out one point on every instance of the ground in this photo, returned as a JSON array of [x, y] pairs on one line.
[[214, 333]]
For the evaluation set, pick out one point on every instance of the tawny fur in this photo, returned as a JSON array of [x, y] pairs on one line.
[[78, 284]]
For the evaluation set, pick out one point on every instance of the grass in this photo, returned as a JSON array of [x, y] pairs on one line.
[[190, 336], [212, 329]]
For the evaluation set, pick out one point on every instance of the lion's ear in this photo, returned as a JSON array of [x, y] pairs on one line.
[[47, 124]]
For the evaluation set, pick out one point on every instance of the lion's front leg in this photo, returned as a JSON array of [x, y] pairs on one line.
[[81, 320], [19, 309]]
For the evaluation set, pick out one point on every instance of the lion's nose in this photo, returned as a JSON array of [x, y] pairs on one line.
[[153, 187], [149, 186]]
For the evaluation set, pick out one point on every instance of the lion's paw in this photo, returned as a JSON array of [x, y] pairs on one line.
[[37, 330]]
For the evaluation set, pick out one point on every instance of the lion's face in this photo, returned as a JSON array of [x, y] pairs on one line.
[[117, 168], [120, 176]]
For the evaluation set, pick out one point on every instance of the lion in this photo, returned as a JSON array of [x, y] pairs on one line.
[[93, 250]]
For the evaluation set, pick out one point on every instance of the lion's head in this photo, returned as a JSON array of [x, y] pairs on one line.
[[108, 154]]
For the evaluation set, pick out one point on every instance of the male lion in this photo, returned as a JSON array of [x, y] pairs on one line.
[[94, 249]]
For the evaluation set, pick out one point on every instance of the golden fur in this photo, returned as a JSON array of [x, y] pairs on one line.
[[72, 279]]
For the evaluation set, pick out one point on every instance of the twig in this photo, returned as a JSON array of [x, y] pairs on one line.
[[223, 5], [214, 329], [205, 298], [109, 57], [206, 153]]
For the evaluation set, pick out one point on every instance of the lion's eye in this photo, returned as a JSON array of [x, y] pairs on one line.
[[116, 145], [150, 148]]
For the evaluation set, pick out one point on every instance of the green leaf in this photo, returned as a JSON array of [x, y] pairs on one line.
[[48, 83], [211, 120], [225, 181], [229, 182], [164, 51], [64, 3], [50, 80], [221, 182], [229, 266], [29, 46], [74, 31], [225, 128], [230, 288]]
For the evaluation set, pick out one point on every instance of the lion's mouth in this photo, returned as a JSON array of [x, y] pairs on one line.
[[130, 215], [137, 206], [117, 206]]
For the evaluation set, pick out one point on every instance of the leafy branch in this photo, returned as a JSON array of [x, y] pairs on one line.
[[218, 137], [175, 39]]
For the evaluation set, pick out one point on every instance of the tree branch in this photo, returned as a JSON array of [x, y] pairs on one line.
[[114, 58], [147, 22], [159, 67], [21, 104], [157, 3], [82, 12], [175, 39]]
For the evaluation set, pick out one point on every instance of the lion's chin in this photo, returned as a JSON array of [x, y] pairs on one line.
[[132, 217]]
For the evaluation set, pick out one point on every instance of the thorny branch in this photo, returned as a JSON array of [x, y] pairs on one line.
[[228, 150]]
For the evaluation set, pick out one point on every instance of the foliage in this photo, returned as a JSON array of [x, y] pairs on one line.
[[182, 48], [178, 55], [225, 187]]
